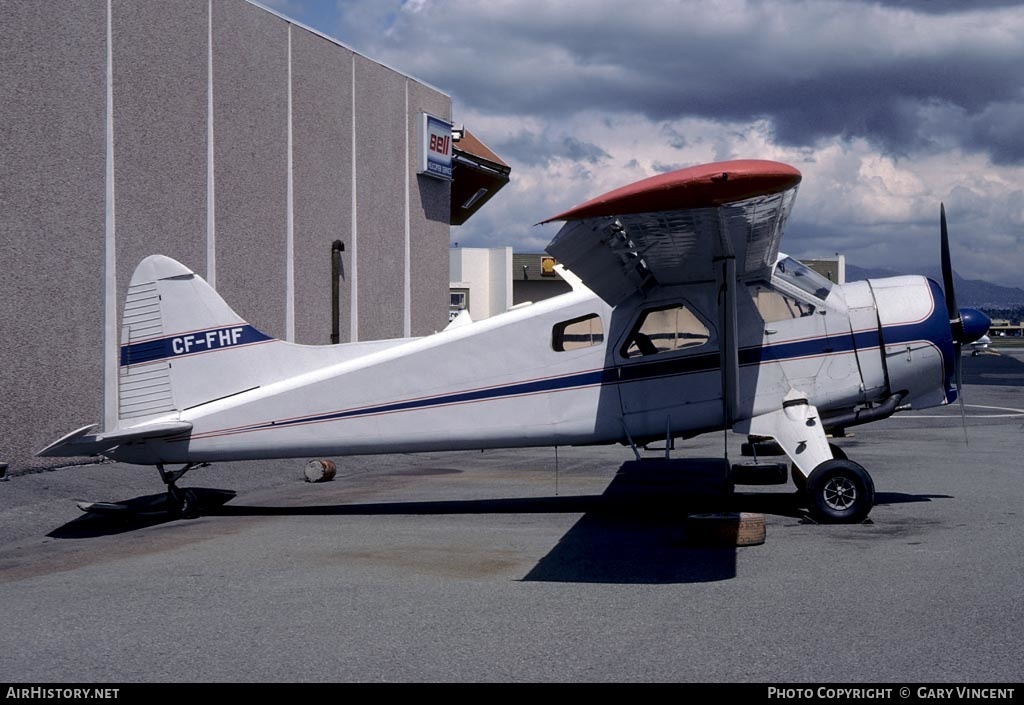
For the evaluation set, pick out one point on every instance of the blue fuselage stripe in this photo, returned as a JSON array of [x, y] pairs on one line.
[[929, 330], [190, 344]]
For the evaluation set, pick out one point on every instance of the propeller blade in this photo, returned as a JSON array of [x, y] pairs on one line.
[[952, 310], [956, 322], [947, 265]]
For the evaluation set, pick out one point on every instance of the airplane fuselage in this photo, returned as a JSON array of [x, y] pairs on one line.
[[683, 318], [570, 371]]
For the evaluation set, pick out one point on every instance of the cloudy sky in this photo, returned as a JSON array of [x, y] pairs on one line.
[[887, 108]]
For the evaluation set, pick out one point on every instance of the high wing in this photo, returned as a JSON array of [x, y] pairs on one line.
[[672, 228]]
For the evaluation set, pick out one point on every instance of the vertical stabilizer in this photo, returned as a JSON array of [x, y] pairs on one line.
[[173, 322]]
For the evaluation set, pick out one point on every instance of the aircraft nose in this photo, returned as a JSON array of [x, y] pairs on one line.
[[976, 324]]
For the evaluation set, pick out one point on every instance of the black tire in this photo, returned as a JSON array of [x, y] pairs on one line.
[[800, 481], [190, 507], [181, 503], [839, 492]]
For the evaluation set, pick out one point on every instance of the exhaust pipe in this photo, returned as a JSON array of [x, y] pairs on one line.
[[857, 417]]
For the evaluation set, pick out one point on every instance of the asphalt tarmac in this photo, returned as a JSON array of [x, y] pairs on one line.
[[493, 566]]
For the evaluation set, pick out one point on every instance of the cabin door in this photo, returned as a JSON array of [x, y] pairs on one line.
[[668, 369]]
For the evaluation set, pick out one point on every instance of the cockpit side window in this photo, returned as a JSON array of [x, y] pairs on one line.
[[803, 277], [582, 332], [663, 330], [773, 305]]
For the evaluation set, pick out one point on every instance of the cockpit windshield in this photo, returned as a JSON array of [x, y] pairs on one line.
[[803, 277]]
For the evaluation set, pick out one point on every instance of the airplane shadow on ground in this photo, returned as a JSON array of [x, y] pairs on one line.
[[138, 513], [638, 539], [632, 533]]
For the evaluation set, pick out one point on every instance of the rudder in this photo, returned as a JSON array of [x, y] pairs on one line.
[[172, 320]]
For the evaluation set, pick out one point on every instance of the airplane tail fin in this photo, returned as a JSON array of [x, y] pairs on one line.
[[183, 347], [181, 344], [173, 321]]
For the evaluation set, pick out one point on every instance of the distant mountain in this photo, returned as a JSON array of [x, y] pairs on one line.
[[974, 293]]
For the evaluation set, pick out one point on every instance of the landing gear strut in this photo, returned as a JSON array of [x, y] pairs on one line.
[[800, 481], [837, 490], [180, 502]]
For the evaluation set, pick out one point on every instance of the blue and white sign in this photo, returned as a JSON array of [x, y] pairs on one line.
[[435, 147]]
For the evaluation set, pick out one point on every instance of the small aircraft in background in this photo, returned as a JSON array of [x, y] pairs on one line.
[[980, 345], [683, 318]]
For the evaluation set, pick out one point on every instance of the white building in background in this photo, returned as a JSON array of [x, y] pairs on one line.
[[480, 281], [832, 268]]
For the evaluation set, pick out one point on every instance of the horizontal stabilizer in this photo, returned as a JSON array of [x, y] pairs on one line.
[[82, 442]]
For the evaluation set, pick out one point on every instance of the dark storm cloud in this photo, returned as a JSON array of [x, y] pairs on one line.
[[886, 106], [533, 149], [947, 6], [998, 129], [813, 70]]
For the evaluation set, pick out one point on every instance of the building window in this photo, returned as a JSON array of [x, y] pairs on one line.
[[458, 302], [664, 330], [578, 333]]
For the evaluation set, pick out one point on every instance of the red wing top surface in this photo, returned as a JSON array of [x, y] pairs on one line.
[[703, 186], [669, 229]]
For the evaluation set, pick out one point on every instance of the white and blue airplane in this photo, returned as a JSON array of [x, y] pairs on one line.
[[683, 318]]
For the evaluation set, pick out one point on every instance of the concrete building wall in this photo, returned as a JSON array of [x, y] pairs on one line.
[[239, 143], [500, 268], [250, 146], [832, 268], [160, 131], [52, 78], [428, 221], [487, 274], [381, 153], [322, 158]]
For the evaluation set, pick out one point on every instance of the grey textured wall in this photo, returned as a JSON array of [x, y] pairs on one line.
[[250, 142], [429, 211], [380, 148], [159, 66], [52, 89], [322, 168], [53, 193]]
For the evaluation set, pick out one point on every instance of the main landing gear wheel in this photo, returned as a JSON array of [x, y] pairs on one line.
[[839, 492], [800, 481], [180, 502]]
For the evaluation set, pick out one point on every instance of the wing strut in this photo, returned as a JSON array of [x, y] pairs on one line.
[[728, 346]]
